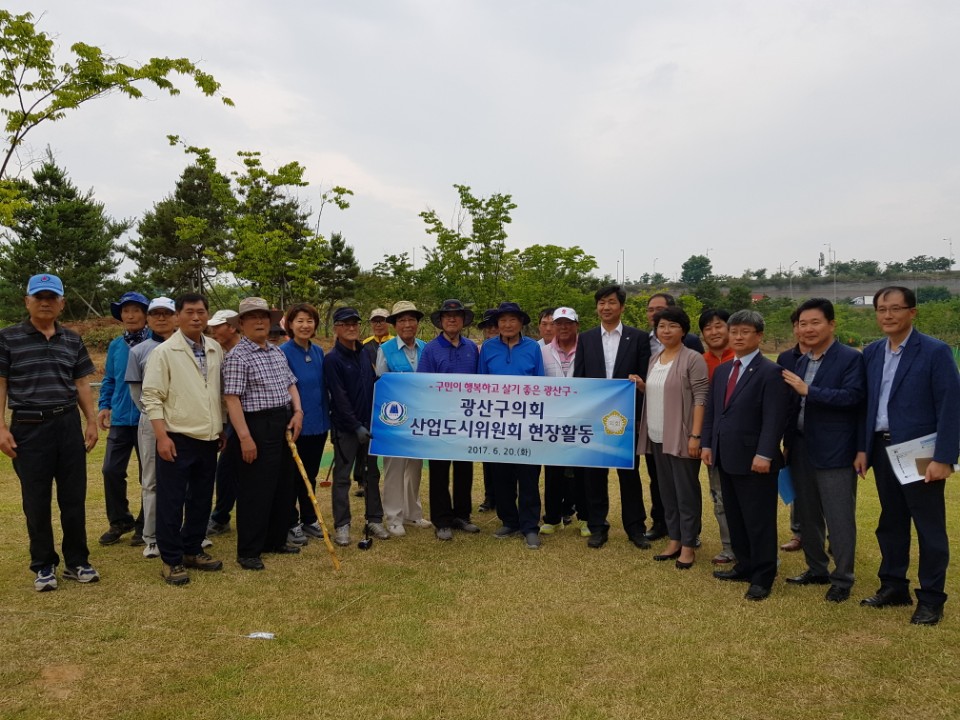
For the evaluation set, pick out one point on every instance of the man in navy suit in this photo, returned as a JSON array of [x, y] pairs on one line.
[[913, 390], [830, 385], [614, 350], [745, 419]]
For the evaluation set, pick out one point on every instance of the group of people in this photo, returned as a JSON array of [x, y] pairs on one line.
[[211, 404]]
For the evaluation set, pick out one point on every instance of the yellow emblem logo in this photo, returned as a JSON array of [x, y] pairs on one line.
[[614, 423]]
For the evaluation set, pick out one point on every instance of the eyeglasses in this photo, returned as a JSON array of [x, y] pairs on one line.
[[892, 310], [743, 332], [349, 323]]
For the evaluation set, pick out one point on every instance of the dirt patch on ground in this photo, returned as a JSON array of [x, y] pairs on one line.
[[60, 681]]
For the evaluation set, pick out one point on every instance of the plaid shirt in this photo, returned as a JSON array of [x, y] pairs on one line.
[[259, 376]]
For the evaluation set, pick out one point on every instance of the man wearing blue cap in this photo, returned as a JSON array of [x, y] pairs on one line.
[[44, 375], [119, 415]]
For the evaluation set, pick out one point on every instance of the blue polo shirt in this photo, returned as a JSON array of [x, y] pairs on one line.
[[524, 358], [307, 366], [441, 356]]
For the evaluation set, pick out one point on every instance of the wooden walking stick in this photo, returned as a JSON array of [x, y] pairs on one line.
[[313, 499]]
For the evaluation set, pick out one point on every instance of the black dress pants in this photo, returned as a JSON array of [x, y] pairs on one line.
[[184, 495], [631, 499], [442, 509], [750, 502]]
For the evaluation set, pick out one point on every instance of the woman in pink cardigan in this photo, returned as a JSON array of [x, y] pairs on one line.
[[670, 424]]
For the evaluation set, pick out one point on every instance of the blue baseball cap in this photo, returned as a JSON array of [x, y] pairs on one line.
[[128, 297], [44, 282], [345, 313]]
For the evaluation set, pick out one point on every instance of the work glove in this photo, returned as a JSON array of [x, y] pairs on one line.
[[363, 435]]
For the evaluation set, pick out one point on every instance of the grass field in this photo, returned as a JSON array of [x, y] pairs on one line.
[[476, 628]]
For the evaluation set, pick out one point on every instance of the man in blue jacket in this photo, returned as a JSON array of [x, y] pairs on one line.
[[120, 417], [349, 378], [821, 444], [913, 390]]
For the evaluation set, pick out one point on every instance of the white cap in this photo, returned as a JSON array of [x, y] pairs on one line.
[[220, 317], [565, 313], [161, 303]]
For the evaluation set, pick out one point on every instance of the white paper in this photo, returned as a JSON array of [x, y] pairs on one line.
[[907, 458]]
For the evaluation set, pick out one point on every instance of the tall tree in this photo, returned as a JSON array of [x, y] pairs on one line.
[[62, 231], [696, 269], [335, 277], [181, 238], [552, 276], [38, 89]]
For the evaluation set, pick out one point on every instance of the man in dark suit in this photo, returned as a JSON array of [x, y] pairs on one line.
[[788, 360], [821, 444], [614, 350], [656, 303], [745, 419], [913, 390]]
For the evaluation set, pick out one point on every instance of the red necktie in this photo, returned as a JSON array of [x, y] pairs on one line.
[[732, 382]]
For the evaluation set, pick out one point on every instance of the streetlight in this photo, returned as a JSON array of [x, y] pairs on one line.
[[833, 265], [623, 264], [790, 275]]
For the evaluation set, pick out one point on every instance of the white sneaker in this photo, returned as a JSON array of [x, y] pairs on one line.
[[207, 542], [151, 551], [421, 523], [378, 531], [342, 535], [46, 579], [81, 573], [396, 529]]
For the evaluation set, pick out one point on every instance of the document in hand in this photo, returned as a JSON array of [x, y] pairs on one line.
[[909, 459]]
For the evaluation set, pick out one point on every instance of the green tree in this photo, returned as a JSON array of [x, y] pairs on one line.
[[552, 276], [696, 269], [470, 259], [707, 291], [933, 293], [335, 277], [180, 239], [62, 231], [38, 89], [739, 297]]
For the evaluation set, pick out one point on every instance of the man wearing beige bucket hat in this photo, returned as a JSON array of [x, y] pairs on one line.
[[401, 476]]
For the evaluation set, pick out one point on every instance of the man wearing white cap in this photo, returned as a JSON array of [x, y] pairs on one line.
[[401, 476], [45, 374], [162, 321], [563, 487], [224, 328]]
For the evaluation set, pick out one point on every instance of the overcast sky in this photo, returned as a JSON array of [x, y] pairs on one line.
[[753, 131]]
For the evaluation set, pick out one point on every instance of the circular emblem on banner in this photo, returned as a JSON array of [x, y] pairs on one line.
[[614, 423], [393, 413]]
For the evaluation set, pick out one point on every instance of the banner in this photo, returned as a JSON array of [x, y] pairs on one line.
[[578, 422]]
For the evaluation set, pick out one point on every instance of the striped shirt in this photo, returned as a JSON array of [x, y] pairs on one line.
[[260, 377], [42, 373]]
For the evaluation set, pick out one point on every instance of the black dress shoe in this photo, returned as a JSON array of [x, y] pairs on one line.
[[927, 614], [285, 550], [808, 578], [655, 533], [757, 592], [640, 541], [665, 556], [837, 594], [680, 565], [888, 597], [597, 539], [732, 575], [254, 563]]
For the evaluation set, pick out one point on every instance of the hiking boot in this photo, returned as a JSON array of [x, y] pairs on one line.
[[313, 530], [342, 535], [202, 561], [114, 534], [81, 573], [174, 574], [46, 579], [378, 531], [295, 536]]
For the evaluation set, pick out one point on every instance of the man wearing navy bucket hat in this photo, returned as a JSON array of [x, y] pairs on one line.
[[121, 418]]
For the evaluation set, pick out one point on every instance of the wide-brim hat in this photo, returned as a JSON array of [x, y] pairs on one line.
[[378, 313], [509, 308], [252, 304], [486, 320], [452, 306], [403, 307], [126, 298]]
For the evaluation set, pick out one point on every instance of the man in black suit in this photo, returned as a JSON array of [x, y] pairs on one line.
[[656, 303], [745, 419], [614, 350]]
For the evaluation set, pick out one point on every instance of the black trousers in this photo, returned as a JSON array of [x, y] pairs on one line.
[[264, 489], [489, 492], [184, 495], [517, 490], [48, 452], [365, 467], [310, 450], [923, 503], [228, 466], [750, 502], [656, 504], [564, 491], [631, 499], [443, 509], [121, 441]]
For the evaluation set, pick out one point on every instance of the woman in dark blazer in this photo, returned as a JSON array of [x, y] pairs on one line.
[[670, 426]]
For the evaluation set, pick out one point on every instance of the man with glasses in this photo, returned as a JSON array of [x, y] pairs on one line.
[[349, 377], [744, 423], [913, 390]]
